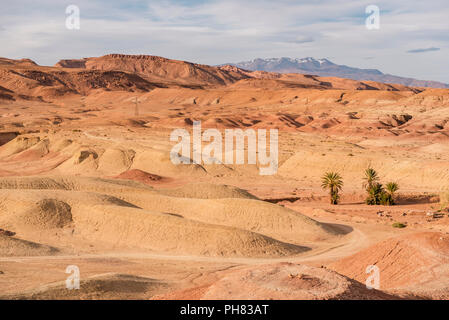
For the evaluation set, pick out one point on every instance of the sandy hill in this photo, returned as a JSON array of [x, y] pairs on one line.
[[158, 68], [279, 281], [19, 62], [103, 286], [24, 79], [86, 179], [63, 156], [313, 162], [194, 220], [12, 246], [417, 263]]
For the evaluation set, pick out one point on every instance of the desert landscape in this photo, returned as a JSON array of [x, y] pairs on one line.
[[86, 180]]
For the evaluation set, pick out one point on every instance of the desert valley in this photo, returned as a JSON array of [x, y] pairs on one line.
[[86, 180]]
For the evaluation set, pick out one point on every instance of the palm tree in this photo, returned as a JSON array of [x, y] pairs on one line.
[[375, 194], [371, 178], [333, 182], [391, 188]]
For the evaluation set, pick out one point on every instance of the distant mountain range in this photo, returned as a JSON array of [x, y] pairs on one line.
[[326, 68], [24, 79]]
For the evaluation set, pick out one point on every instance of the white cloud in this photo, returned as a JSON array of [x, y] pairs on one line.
[[222, 31]]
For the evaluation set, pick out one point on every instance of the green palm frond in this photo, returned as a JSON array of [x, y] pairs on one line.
[[371, 177], [391, 187], [334, 182]]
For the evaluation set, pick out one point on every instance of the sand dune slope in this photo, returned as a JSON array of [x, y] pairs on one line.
[[279, 281], [31, 154], [249, 214], [12, 246], [313, 164], [207, 191], [167, 233], [203, 203], [415, 264], [103, 286], [122, 213]]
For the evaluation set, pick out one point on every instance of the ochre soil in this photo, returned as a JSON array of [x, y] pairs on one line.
[[86, 180]]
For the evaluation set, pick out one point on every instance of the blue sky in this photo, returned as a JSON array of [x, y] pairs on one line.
[[413, 39]]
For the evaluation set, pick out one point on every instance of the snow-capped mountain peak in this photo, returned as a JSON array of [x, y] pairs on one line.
[[324, 67]]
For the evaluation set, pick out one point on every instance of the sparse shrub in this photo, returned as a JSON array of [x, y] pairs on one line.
[[444, 199], [399, 225]]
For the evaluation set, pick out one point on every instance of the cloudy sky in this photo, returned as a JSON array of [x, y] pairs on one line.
[[412, 41]]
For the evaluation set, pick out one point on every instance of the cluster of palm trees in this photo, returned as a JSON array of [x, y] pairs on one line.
[[377, 193]]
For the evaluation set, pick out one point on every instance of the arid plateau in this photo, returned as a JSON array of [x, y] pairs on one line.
[[86, 180]]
